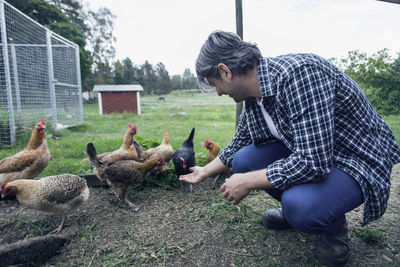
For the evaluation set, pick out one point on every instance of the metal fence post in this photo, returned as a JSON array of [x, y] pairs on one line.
[[7, 73], [16, 85], [51, 79], [78, 79]]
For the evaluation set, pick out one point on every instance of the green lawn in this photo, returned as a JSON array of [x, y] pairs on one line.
[[212, 116]]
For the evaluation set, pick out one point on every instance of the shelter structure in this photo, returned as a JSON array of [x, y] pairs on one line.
[[118, 98]]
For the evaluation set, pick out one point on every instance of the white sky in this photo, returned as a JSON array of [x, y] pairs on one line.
[[172, 31]]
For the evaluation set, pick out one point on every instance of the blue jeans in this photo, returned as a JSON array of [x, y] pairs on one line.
[[313, 208]]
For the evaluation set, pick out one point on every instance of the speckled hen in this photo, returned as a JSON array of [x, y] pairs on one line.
[[59, 194]]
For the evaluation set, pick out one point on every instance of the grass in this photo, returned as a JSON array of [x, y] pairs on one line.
[[213, 117]]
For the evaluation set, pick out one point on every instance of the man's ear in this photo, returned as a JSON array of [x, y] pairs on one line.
[[224, 71]]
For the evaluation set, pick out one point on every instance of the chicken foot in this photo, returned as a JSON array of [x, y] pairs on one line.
[[134, 207], [59, 228]]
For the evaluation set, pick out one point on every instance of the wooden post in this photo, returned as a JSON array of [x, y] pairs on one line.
[[239, 31]]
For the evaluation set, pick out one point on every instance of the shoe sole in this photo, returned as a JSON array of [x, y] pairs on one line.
[[328, 260], [270, 225]]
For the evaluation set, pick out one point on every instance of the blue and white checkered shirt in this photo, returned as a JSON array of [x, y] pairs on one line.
[[325, 119]]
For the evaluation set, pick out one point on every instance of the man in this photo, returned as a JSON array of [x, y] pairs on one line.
[[307, 135]]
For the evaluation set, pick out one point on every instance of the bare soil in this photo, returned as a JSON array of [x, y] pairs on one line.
[[176, 228]]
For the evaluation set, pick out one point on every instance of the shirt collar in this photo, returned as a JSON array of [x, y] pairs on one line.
[[264, 79]]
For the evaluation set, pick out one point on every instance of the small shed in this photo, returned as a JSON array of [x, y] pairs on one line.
[[118, 98]]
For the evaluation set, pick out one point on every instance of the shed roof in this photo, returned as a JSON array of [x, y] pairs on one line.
[[118, 88]]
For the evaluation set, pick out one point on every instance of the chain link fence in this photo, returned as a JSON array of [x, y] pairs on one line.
[[39, 76]]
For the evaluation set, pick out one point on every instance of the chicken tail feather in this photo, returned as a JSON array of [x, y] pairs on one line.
[[92, 154], [91, 151]]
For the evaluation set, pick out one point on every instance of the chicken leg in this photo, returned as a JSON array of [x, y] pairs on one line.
[[134, 207], [59, 228]]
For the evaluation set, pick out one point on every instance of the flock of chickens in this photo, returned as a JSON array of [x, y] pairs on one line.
[[60, 194]]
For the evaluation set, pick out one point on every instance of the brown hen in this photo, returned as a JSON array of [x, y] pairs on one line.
[[126, 151], [164, 150], [119, 175], [30, 162]]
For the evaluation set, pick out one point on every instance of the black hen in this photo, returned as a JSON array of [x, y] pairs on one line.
[[184, 157]]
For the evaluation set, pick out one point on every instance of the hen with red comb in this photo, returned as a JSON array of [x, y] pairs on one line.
[[30, 162]]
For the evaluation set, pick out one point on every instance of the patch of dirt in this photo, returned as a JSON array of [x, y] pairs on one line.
[[176, 228]]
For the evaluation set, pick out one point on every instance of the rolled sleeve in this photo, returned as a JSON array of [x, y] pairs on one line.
[[241, 139]]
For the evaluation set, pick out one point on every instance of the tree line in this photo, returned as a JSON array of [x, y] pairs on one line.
[[154, 79]]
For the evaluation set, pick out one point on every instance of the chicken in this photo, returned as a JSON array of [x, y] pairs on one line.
[[119, 175], [184, 157], [126, 151], [57, 194], [30, 162], [214, 149], [164, 150]]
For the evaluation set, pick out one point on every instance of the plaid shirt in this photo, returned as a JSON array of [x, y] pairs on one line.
[[325, 119]]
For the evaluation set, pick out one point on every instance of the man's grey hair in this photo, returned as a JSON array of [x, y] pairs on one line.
[[225, 47]]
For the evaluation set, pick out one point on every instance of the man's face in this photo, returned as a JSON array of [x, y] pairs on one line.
[[232, 88]]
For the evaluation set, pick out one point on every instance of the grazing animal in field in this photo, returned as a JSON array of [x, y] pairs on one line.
[[161, 98]]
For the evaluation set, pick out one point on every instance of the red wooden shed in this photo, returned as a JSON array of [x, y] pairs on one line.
[[118, 98]]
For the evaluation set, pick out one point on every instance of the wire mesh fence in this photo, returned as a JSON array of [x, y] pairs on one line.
[[39, 76]]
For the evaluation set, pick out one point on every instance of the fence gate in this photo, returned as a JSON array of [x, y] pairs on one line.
[[39, 76]]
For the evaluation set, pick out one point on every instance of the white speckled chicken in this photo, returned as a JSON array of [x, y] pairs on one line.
[[119, 175], [164, 150], [126, 151], [30, 162], [59, 194]]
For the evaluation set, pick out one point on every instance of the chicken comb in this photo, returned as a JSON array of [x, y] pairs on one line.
[[131, 125], [42, 122], [207, 141], [2, 188]]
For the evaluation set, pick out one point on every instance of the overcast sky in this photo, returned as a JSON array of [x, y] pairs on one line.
[[172, 31]]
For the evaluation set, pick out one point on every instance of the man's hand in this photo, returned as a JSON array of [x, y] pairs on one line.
[[196, 176], [200, 173], [239, 185], [235, 188]]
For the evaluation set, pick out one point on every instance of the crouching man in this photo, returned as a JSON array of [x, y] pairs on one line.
[[307, 135]]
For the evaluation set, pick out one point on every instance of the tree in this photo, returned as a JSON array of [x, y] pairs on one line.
[[149, 77], [101, 37], [176, 82], [130, 71], [163, 85], [378, 75], [189, 81], [119, 73]]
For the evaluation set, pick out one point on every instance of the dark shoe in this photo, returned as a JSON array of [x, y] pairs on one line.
[[333, 248], [274, 219]]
